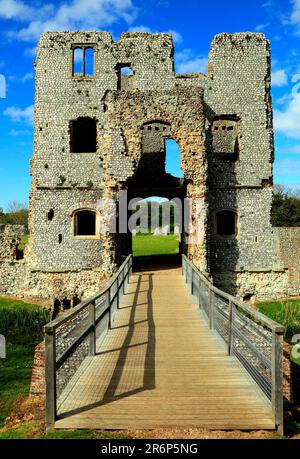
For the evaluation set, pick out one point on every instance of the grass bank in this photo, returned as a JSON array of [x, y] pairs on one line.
[[286, 312], [21, 324], [148, 244]]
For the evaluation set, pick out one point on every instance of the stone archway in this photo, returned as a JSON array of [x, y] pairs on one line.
[[180, 111]]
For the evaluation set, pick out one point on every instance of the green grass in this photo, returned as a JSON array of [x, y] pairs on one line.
[[25, 239], [33, 428], [286, 313], [15, 376], [147, 245], [292, 428], [22, 431], [22, 322], [83, 434], [68, 434]]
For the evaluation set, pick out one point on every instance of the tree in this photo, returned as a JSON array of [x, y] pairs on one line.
[[285, 207], [16, 214], [15, 206]]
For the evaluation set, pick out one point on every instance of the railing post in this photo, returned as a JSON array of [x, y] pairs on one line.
[[230, 325], [192, 281], [92, 335], [109, 308], [118, 292], [199, 286], [211, 309], [128, 273], [124, 279], [50, 370], [277, 386]]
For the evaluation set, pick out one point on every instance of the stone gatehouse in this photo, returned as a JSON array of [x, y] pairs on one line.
[[103, 111]]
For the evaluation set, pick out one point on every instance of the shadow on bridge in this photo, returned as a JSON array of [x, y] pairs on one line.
[[156, 262], [136, 335]]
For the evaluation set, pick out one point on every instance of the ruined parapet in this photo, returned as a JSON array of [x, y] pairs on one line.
[[287, 241], [10, 238], [240, 153], [13, 270]]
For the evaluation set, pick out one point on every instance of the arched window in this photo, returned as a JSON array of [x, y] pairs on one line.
[[83, 61], [85, 223], [88, 61], [173, 164], [83, 135], [226, 223]]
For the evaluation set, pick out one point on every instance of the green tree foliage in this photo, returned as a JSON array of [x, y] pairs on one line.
[[286, 207], [167, 206], [16, 214]]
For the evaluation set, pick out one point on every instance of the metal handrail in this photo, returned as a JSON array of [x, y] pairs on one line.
[[253, 338], [51, 326], [75, 319]]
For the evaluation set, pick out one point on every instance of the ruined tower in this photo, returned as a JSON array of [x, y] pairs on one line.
[[99, 130]]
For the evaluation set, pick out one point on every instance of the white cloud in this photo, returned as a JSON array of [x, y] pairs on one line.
[[27, 77], [19, 133], [17, 114], [15, 9], [74, 15], [141, 28], [177, 37], [283, 99], [30, 52], [187, 62], [295, 16], [286, 120], [261, 27], [279, 78], [193, 66], [267, 4]]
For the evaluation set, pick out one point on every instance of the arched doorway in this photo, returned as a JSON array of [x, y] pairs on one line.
[[159, 235], [155, 197]]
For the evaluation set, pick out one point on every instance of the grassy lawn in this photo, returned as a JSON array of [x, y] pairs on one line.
[[15, 376], [147, 244], [21, 323], [33, 430], [286, 313]]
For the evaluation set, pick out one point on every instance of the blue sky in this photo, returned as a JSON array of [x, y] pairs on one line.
[[193, 24]]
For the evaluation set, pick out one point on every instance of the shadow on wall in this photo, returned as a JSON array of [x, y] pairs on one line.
[[223, 149]]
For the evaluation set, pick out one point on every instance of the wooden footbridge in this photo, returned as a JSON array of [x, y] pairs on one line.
[[163, 348]]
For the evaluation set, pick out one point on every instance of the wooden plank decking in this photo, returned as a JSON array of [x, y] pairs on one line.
[[160, 365]]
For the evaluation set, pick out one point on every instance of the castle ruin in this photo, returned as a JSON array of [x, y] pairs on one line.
[[100, 129]]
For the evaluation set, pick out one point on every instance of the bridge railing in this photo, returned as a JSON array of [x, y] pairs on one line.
[[254, 339], [69, 339]]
